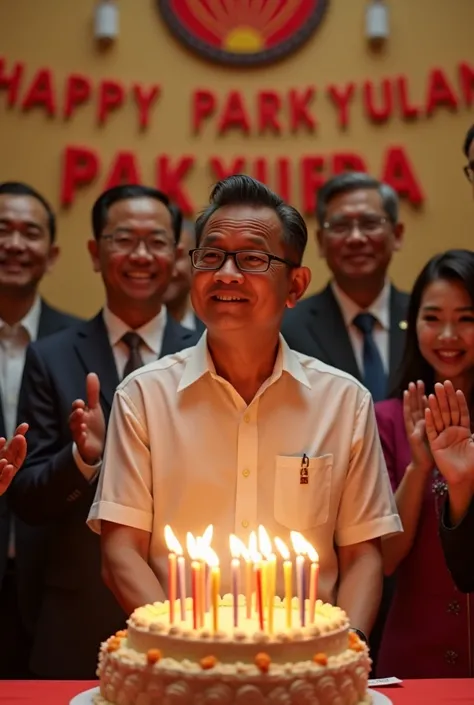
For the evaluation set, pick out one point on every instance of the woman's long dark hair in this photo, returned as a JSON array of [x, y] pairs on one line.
[[453, 265]]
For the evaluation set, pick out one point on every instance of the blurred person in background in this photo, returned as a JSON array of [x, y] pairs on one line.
[[28, 252], [428, 628], [66, 396]]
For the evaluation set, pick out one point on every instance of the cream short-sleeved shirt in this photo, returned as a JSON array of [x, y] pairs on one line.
[[183, 448]]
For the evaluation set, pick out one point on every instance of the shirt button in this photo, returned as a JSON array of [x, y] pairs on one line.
[[451, 657], [247, 418], [245, 523], [246, 472], [454, 607]]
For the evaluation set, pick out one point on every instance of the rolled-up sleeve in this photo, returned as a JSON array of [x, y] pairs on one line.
[[367, 509], [124, 491]]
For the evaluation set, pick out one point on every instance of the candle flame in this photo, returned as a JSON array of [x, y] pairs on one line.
[[237, 547], [172, 542], [300, 545], [312, 553], [207, 535], [253, 543], [282, 549], [211, 557], [265, 545], [191, 545]]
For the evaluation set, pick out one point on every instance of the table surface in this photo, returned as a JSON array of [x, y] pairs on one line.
[[422, 692]]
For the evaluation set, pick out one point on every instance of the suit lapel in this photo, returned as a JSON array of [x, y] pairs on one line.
[[330, 333], [94, 350], [175, 337], [398, 312]]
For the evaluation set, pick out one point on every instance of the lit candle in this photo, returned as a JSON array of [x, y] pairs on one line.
[[213, 562], [313, 581], [203, 543], [250, 574], [258, 585], [287, 577], [195, 578], [171, 544], [236, 549], [300, 547], [270, 570], [175, 547], [263, 541]]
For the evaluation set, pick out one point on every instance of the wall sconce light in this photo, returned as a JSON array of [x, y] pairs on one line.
[[377, 27], [106, 22]]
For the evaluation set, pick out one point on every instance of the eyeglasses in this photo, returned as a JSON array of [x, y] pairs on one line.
[[370, 226], [469, 171], [124, 243], [211, 259]]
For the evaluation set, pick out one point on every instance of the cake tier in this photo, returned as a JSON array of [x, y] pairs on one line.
[[155, 664], [149, 628]]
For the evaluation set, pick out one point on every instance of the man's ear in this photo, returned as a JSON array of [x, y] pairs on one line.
[[93, 247], [301, 278]]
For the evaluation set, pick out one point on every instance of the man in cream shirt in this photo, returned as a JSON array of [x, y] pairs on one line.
[[220, 433]]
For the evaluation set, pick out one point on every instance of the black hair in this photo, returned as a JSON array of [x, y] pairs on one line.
[[17, 188], [125, 192], [241, 189], [453, 265], [469, 138], [353, 181]]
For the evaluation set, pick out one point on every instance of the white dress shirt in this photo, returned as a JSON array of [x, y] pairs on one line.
[[189, 319], [152, 334], [183, 448], [14, 341], [380, 309]]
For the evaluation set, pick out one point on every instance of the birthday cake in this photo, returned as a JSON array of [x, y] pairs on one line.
[[155, 662]]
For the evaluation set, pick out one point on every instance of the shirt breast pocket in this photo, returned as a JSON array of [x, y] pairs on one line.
[[302, 505]]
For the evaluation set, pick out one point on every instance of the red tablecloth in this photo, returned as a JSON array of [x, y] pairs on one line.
[[432, 692]]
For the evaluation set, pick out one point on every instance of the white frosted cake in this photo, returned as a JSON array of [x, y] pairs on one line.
[[155, 662]]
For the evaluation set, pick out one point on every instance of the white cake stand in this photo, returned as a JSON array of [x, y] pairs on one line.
[[86, 698]]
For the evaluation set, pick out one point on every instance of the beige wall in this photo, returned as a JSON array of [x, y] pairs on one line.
[[56, 33]]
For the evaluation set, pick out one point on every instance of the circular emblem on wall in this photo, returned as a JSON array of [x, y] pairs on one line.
[[243, 32]]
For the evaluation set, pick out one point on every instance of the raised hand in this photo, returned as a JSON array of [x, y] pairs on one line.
[[87, 422], [448, 428], [12, 456], [414, 405]]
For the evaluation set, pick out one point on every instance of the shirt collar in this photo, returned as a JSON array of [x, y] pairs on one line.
[[31, 321], [200, 363], [379, 308], [151, 333]]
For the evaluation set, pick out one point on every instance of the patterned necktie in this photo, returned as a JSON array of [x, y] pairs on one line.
[[135, 360], [375, 378]]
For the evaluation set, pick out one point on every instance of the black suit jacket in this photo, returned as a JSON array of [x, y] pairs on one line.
[[316, 327], [76, 610], [458, 547], [51, 321]]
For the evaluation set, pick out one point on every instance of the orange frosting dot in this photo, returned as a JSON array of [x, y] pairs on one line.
[[208, 662], [113, 644], [121, 634], [320, 659], [153, 656], [263, 661]]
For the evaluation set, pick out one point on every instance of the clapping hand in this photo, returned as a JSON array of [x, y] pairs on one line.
[[414, 405], [448, 429], [87, 423], [12, 456]]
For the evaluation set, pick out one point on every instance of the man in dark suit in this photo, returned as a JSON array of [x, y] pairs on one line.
[[66, 397], [177, 296], [357, 322], [28, 250]]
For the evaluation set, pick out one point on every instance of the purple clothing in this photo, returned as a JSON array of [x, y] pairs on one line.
[[430, 623]]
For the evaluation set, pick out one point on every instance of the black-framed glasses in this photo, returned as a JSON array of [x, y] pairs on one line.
[[469, 171], [125, 243], [211, 259], [369, 225]]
